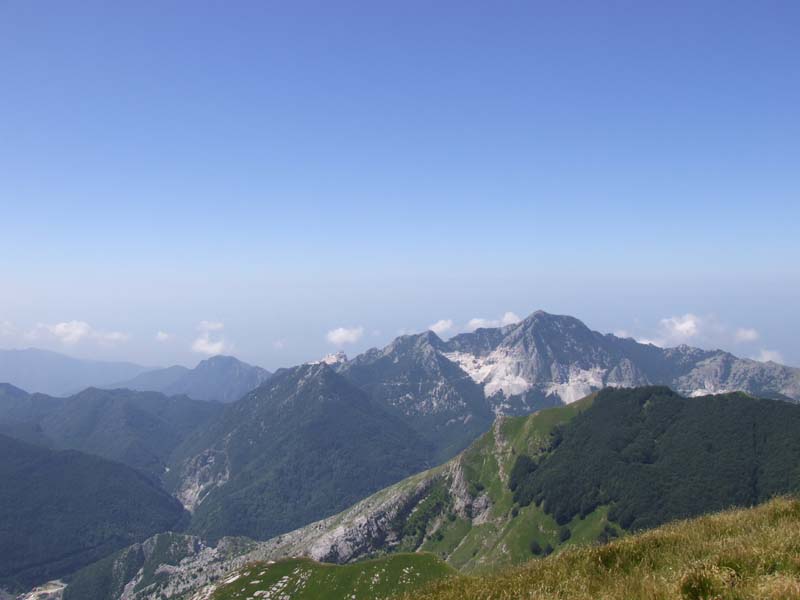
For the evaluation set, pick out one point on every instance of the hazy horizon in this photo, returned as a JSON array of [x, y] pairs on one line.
[[689, 329]]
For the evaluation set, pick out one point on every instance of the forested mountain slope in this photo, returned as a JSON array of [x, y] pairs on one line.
[[60, 510], [140, 429], [303, 446]]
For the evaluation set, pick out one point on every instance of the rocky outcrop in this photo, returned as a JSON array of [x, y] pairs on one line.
[[200, 475]]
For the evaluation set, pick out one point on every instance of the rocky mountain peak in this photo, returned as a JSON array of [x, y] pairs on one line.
[[334, 358], [11, 391], [427, 340], [220, 362]]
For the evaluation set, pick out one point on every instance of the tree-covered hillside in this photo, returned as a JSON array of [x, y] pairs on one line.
[[301, 447], [61, 510], [653, 456], [140, 429]]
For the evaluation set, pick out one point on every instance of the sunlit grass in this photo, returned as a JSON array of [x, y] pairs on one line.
[[747, 553]]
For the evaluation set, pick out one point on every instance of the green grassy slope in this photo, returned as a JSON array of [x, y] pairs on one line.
[[303, 579], [734, 555], [503, 535]]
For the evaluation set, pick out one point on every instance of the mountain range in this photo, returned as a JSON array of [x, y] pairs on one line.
[[139, 429], [449, 391], [303, 444], [645, 456], [219, 378], [550, 359], [36, 370]]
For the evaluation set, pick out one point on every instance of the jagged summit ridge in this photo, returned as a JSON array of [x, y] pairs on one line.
[[558, 358], [547, 359]]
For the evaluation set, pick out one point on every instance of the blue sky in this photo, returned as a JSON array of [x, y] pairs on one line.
[[286, 169]]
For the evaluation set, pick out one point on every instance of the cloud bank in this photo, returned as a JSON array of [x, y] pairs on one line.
[[210, 341], [70, 333], [509, 318], [769, 356], [705, 332], [344, 335], [442, 326]]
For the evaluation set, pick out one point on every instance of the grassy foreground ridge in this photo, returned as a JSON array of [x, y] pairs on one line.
[[739, 554], [304, 579]]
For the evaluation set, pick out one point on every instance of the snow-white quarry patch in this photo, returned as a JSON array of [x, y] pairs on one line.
[[331, 359], [502, 371], [498, 371], [707, 389], [579, 384]]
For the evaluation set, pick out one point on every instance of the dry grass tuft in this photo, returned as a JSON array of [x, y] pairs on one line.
[[734, 555]]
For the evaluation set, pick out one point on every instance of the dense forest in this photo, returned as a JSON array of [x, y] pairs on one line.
[[305, 445], [61, 510], [139, 429], [654, 456]]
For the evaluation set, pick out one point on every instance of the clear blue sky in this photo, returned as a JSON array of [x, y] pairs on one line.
[[290, 168]]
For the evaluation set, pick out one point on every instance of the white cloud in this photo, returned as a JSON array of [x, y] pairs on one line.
[[681, 329], [208, 345], [441, 326], [7, 328], [674, 331], [479, 323], [72, 332], [210, 326], [110, 337], [279, 344], [745, 334], [509, 318], [706, 331], [343, 335], [163, 336], [205, 345], [769, 355]]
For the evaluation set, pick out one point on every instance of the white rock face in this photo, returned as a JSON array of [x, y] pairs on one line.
[[503, 373], [332, 359], [498, 372], [200, 475], [579, 384]]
